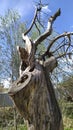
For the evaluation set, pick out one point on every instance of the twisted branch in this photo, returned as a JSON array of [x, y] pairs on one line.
[[57, 38], [33, 21], [49, 30]]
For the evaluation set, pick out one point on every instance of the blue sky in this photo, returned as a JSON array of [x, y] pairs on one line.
[[26, 9]]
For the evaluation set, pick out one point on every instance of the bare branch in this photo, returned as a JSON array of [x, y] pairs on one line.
[[59, 47], [37, 28], [64, 54], [49, 30], [69, 43], [40, 23], [56, 38], [33, 21]]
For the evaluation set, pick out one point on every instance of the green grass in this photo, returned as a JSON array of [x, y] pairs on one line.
[[68, 129], [20, 127], [23, 127]]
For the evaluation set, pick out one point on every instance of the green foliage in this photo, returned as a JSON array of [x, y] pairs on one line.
[[68, 84], [68, 110], [65, 90], [67, 113], [68, 123]]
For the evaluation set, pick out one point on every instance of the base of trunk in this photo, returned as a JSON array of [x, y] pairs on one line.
[[35, 99]]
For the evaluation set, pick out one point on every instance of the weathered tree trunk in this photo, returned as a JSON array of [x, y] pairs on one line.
[[35, 99], [33, 92]]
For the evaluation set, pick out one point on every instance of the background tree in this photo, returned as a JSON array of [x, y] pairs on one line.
[[64, 92], [10, 30]]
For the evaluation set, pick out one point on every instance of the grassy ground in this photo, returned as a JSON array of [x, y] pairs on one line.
[[68, 128], [7, 119], [24, 128], [21, 127]]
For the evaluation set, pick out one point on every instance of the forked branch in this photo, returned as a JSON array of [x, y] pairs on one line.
[[67, 34], [47, 33], [33, 21], [49, 29], [58, 37]]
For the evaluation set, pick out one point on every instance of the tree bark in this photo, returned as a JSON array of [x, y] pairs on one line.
[[34, 97]]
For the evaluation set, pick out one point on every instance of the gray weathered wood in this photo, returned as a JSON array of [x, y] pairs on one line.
[[35, 99], [33, 92]]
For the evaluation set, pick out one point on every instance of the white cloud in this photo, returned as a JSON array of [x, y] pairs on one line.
[[46, 9], [6, 82]]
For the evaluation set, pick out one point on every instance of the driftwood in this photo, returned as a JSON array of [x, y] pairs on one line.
[[33, 92]]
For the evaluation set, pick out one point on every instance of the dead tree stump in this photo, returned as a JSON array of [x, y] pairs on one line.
[[33, 92], [35, 99]]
